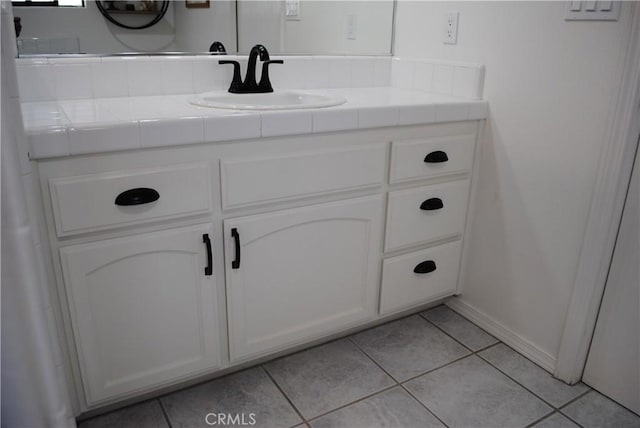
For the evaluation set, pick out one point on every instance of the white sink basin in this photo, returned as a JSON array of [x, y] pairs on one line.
[[280, 100]]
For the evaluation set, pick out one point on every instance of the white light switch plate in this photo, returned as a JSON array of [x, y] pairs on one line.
[[292, 10], [592, 10]]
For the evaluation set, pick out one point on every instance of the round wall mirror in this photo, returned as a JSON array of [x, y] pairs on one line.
[[133, 15]]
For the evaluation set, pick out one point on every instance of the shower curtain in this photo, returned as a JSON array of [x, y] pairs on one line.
[[34, 393]]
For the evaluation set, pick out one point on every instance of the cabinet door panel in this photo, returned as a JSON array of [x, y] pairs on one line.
[[142, 308], [303, 273]]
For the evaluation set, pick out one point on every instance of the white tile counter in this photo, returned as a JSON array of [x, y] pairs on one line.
[[73, 127]]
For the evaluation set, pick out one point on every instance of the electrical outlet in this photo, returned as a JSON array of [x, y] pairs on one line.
[[450, 35], [352, 27]]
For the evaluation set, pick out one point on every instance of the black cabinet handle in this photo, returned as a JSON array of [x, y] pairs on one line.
[[208, 270], [436, 157], [425, 267], [138, 196], [432, 204], [235, 264]]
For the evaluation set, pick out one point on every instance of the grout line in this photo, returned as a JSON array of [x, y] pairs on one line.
[[422, 404], [397, 382], [284, 394], [436, 368], [571, 402], [453, 337], [544, 418], [477, 353], [385, 389], [164, 412], [554, 407], [400, 382], [372, 360]]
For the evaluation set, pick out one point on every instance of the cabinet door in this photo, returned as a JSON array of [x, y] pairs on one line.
[[302, 273], [143, 310]]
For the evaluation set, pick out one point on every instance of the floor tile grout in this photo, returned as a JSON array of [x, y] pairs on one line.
[[164, 412], [385, 389], [420, 314], [477, 353], [284, 394], [372, 359], [544, 418], [571, 402], [553, 406], [423, 405]]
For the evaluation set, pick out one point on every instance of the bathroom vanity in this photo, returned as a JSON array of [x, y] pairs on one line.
[[192, 241]]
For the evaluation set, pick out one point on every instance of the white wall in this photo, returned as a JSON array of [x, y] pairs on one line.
[[197, 28], [320, 29], [96, 34], [550, 84]]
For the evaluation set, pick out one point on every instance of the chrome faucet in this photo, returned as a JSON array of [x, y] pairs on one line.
[[249, 85]]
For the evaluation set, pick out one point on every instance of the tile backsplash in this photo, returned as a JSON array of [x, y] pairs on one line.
[[465, 80], [48, 79]]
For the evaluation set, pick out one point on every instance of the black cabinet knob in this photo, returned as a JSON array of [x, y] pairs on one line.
[[436, 157], [432, 204], [138, 196], [425, 267]]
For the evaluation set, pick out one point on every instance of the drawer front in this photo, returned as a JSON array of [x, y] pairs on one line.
[[88, 203], [425, 214], [424, 158], [403, 288], [256, 181]]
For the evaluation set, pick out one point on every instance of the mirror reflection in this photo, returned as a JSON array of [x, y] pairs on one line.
[[340, 27]]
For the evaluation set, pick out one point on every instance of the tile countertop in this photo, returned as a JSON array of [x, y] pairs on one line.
[[73, 127]]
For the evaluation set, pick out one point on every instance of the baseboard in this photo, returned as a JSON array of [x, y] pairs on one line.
[[508, 336]]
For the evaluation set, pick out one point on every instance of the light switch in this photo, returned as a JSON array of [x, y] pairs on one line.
[[605, 6], [292, 9], [593, 10]]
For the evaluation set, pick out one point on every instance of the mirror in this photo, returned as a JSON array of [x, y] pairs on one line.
[[324, 27]]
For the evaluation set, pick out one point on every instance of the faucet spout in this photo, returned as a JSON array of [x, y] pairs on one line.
[[249, 86], [250, 79]]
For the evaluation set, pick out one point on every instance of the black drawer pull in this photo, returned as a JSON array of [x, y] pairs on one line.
[[208, 269], [432, 204], [235, 264], [436, 157], [139, 196], [425, 267]]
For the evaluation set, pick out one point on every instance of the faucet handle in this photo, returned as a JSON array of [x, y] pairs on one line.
[[265, 83], [236, 82]]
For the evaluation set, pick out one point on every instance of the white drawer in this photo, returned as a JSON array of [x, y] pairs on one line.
[[425, 214], [403, 288], [87, 203], [256, 181], [424, 158]]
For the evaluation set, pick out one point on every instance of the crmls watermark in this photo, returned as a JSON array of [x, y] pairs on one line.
[[243, 419]]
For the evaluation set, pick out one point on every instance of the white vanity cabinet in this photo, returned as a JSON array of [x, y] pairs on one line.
[[311, 236], [297, 274], [143, 309]]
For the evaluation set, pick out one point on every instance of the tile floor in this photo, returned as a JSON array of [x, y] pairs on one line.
[[432, 369]]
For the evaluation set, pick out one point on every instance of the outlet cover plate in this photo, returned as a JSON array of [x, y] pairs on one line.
[[450, 31]]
